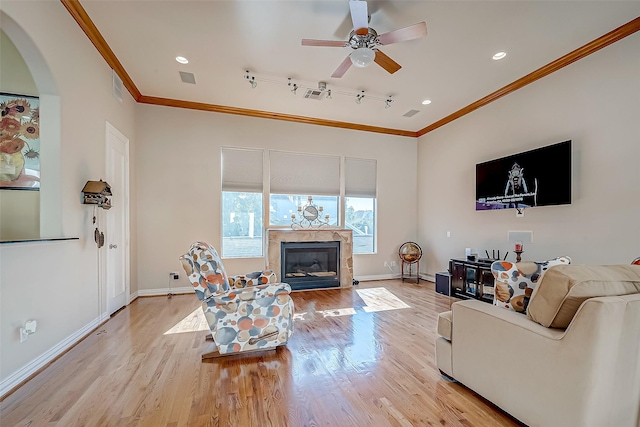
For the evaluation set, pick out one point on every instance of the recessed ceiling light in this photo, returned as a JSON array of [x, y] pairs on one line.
[[182, 59], [426, 102], [499, 55]]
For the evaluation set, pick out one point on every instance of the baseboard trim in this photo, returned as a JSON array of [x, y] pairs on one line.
[[15, 380], [133, 297], [373, 277], [163, 291]]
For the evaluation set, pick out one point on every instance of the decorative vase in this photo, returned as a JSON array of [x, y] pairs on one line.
[[11, 166]]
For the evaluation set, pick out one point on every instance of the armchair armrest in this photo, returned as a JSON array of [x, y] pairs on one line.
[[265, 292]]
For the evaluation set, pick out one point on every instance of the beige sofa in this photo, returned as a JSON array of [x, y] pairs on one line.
[[583, 374]]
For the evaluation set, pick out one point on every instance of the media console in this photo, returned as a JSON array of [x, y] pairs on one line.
[[472, 279]]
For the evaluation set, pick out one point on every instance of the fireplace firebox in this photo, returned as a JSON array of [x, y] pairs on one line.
[[310, 265]]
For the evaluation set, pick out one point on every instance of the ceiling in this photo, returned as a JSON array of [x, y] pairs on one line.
[[452, 66]]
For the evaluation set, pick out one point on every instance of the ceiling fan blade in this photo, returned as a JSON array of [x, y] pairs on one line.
[[387, 63], [359, 15], [408, 33], [328, 43], [342, 68]]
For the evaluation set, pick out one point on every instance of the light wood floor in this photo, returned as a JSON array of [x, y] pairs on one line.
[[355, 359]]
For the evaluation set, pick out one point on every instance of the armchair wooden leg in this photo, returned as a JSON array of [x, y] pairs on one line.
[[215, 354]]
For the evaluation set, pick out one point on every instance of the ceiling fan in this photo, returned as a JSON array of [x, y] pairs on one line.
[[365, 41]]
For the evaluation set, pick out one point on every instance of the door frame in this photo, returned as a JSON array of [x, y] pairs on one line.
[[109, 133]]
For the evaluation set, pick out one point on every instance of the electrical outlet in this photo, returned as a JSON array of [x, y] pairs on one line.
[[23, 335], [174, 275]]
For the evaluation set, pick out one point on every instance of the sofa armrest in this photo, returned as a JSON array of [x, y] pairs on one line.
[[519, 322]]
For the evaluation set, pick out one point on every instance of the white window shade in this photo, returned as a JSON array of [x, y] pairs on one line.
[[293, 173], [241, 170], [360, 177]]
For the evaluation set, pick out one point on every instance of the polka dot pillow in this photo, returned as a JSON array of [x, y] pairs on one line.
[[252, 279], [514, 283]]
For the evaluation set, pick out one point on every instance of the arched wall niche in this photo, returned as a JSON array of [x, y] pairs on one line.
[[50, 212]]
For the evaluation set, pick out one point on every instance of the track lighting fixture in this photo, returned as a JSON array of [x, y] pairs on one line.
[[294, 86], [252, 80], [318, 90]]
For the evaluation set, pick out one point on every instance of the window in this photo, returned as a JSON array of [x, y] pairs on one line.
[[360, 216], [281, 206], [360, 203], [242, 206], [295, 177], [241, 224]]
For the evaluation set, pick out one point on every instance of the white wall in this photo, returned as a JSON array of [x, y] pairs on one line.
[[593, 102], [57, 283], [179, 183]]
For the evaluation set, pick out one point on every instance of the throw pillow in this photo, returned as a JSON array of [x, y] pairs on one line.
[[252, 279], [514, 283]]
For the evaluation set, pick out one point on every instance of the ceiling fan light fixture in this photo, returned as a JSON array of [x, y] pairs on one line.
[[362, 57]]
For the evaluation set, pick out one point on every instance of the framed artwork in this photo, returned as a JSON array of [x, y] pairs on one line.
[[19, 142]]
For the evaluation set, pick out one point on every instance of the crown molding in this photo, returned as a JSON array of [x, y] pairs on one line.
[[581, 52], [84, 21], [168, 102]]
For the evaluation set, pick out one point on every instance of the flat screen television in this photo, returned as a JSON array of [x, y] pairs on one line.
[[539, 177]]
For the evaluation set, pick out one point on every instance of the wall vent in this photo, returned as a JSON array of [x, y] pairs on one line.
[[116, 86], [410, 113], [314, 94], [187, 77]]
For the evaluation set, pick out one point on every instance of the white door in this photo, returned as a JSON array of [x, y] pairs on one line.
[[117, 230]]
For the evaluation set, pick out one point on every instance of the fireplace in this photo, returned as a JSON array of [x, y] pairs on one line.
[[310, 265], [276, 236]]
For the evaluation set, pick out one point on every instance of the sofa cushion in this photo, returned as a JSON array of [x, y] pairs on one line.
[[515, 283], [557, 298], [445, 325]]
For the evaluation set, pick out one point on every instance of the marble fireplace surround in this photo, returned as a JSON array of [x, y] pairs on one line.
[[275, 236]]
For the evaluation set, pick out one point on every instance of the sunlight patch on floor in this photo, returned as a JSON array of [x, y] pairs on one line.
[[335, 312], [375, 299], [194, 322], [380, 299]]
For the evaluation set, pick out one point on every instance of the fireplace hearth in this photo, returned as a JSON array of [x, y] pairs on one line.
[[310, 265]]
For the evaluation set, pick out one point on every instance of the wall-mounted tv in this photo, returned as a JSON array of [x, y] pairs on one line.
[[539, 177]]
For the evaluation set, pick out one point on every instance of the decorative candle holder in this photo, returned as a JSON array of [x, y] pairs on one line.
[[518, 253], [518, 250], [309, 216]]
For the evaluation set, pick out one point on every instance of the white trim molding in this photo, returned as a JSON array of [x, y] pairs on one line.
[[163, 291], [32, 367]]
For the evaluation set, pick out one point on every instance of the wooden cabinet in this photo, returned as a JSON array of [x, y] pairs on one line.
[[471, 279]]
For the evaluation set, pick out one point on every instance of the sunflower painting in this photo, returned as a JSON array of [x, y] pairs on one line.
[[19, 142]]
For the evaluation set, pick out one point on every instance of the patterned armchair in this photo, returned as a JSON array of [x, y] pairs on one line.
[[244, 313]]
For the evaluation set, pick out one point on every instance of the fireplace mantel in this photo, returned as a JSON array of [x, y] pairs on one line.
[[275, 236]]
